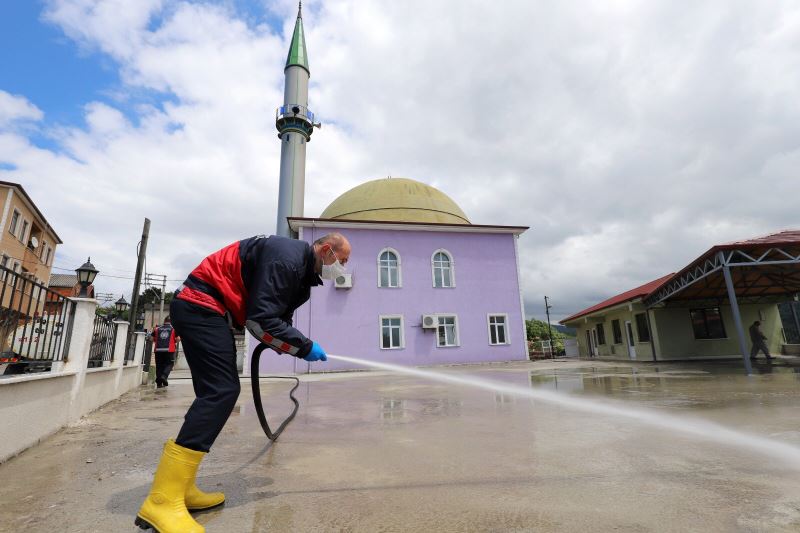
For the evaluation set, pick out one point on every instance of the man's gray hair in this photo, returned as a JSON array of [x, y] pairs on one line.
[[336, 240]]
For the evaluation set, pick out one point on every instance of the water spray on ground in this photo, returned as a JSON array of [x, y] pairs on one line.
[[703, 429]]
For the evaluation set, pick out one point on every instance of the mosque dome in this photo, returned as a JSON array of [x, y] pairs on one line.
[[396, 200]]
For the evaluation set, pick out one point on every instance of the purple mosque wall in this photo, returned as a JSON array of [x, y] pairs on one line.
[[347, 321]]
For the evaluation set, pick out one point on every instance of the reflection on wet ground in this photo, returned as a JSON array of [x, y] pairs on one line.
[[378, 452], [695, 385]]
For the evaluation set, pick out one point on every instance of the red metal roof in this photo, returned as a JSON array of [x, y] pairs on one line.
[[783, 238], [638, 292], [789, 236]]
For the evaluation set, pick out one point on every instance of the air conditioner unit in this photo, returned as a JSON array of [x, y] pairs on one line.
[[430, 321], [345, 281]]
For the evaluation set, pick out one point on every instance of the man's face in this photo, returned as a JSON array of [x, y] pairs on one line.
[[329, 255]]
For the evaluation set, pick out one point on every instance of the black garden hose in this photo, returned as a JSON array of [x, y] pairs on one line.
[[273, 436]]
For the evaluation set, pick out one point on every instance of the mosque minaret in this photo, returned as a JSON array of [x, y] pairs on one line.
[[295, 123]]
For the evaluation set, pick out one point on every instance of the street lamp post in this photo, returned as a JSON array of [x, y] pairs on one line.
[[86, 274], [120, 306], [139, 322]]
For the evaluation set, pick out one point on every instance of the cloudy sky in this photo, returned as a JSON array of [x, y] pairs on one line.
[[631, 136]]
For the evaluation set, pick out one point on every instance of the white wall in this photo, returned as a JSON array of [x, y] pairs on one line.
[[34, 406]]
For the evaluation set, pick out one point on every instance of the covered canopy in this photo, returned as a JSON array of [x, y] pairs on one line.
[[761, 269]]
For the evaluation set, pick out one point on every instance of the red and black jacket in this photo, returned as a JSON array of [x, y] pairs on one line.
[[260, 282], [164, 338]]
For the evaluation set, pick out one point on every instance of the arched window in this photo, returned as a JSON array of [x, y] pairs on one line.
[[443, 272], [389, 268]]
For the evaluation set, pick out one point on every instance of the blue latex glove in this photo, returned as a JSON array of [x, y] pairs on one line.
[[316, 354]]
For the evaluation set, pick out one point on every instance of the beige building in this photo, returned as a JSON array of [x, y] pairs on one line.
[[27, 241], [706, 310]]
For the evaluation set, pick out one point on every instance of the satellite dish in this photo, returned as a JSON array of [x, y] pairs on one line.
[[34, 242]]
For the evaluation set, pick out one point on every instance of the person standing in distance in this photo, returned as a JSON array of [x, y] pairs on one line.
[[759, 341], [166, 342], [255, 283]]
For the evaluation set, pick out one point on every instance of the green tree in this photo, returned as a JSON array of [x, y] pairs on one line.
[[152, 295], [537, 331], [110, 310]]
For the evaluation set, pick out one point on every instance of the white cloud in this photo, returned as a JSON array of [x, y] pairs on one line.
[[631, 136], [15, 108], [116, 27]]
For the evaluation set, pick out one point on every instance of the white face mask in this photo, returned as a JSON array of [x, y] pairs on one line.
[[332, 271]]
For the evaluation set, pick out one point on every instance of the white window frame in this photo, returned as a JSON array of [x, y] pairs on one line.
[[505, 328], [5, 259], [399, 269], [402, 334], [13, 226], [48, 256], [439, 316], [452, 269], [26, 226]]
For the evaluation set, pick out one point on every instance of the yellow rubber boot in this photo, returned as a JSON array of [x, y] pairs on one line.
[[164, 509], [197, 500]]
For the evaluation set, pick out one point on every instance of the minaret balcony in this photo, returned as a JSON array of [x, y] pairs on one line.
[[294, 111], [295, 116]]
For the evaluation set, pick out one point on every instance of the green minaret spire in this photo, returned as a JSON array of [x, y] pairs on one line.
[[297, 51]]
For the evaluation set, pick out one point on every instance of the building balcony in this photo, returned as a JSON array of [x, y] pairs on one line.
[[295, 117], [294, 111], [31, 259]]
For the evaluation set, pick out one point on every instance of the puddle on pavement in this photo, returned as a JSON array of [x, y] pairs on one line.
[[406, 410], [673, 386]]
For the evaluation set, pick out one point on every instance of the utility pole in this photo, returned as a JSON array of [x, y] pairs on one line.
[[152, 279], [141, 253], [547, 308], [104, 296]]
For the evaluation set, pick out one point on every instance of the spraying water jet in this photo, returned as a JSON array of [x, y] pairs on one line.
[[702, 429]]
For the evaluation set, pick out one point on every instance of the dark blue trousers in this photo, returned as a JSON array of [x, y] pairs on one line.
[[211, 354]]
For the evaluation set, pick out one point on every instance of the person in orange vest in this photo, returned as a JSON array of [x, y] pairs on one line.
[[165, 342]]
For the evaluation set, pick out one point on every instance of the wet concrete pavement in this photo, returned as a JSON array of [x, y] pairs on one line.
[[377, 452]]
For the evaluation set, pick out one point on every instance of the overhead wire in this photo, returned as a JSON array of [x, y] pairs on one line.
[[101, 274]]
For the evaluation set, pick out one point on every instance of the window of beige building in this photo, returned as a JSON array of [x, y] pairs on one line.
[[12, 228], [23, 234]]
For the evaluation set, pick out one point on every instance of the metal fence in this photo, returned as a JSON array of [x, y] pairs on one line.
[[34, 323], [104, 336]]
